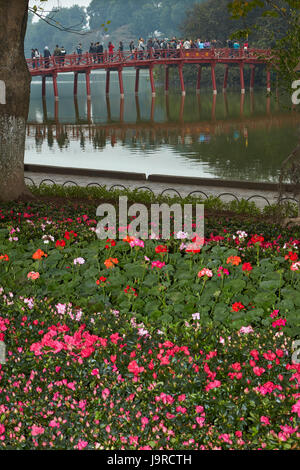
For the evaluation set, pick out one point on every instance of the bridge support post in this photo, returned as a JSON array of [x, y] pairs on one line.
[[198, 79], [181, 111], [225, 78], [180, 67], [122, 109], [121, 83], [213, 108], [75, 83], [242, 78], [213, 78], [252, 77], [107, 82], [88, 84], [268, 79], [152, 81], [137, 80], [167, 80], [88, 109], [43, 86], [152, 108], [55, 89], [242, 102]]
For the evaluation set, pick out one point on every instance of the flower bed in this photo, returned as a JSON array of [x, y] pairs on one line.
[[143, 343]]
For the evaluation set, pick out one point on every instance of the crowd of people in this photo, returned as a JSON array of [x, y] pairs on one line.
[[141, 49]]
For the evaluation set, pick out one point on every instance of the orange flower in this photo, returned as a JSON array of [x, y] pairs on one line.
[[234, 260], [39, 254], [4, 258], [128, 239], [110, 262], [33, 275]]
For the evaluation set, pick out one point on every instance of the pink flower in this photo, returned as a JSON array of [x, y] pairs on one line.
[[246, 329], [33, 275], [258, 371], [81, 444], [225, 438], [157, 264], [280, 322], [295, 266], [134, 368], [2, 428], [37, 430], [296, 408], [213, 384], [205, 272], [199, 409], [105, 393], [265, 420], [274, 313], [200, 420]]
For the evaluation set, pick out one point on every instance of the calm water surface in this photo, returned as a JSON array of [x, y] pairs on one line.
[[231, 137]]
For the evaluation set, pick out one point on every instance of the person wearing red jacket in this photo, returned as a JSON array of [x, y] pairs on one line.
[[110, 50]]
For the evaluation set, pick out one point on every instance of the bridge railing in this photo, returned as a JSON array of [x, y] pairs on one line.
[[96, 60]]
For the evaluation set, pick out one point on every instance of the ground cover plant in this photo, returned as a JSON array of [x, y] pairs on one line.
[[141, 344]]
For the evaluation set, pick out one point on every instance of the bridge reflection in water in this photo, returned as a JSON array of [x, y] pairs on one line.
[[85, 126], [228, 136]]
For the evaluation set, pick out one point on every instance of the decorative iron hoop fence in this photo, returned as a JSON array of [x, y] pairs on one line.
[[162, 193]]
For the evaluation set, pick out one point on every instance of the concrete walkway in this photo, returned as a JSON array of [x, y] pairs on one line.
[[226, 193]]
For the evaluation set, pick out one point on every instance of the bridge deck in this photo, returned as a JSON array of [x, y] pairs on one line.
[[86, 63], [105, 61]]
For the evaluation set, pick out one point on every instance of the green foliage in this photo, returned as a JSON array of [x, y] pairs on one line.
[[212, 20], [40, 34], [286, 43]]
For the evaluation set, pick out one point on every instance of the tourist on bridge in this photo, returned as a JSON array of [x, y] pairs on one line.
[[33, 58], [62, 55], [187, 44], [99, 50], [57, 54], [121, 49], [141, 48], [93, 51], [110, 50], [132, 49], [37, 57], [47, 55], [236, 48], [207, 44], [156, 47], [79, 52]]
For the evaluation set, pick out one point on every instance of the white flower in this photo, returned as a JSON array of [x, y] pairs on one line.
[[196, 316], [79, 261], [182, 235]]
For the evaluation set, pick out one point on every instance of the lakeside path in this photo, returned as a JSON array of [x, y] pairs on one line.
[[226, 193]]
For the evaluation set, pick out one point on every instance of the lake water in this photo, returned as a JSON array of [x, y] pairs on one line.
[[232, 136]]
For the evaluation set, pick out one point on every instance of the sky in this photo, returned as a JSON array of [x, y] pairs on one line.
[[63, 3]]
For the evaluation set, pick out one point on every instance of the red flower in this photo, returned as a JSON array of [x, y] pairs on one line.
[[101, 279], [257, 238], [68, 234], [237, 306], [291, 256], [60, 244], [247, 267], [130, 290], [161, 249]]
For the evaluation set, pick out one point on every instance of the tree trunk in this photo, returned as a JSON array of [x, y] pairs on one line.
[[14, 98]]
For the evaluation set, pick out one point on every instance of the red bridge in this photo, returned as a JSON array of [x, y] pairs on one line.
[[86, 63]]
